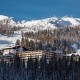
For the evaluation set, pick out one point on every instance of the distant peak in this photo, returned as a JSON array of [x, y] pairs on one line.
[[52, 22], [2, 17]]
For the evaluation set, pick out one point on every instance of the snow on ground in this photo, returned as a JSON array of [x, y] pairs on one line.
[[34, 26], [6, 41], [50, 23], [3, 17], [68, 21], [73, 54], [9, 41], [43, 24], [38, 24]]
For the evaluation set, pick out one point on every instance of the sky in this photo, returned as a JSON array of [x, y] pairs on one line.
[[39, 9]]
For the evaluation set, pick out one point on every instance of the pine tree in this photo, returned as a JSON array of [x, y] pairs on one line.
[[18, 42]]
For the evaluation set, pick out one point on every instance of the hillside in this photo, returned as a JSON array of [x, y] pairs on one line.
[[34, 25], [48, 23]]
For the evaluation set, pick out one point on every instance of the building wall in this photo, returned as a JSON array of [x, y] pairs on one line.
[[35, 54]]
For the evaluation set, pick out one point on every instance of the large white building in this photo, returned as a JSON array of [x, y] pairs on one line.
[[35, 54]]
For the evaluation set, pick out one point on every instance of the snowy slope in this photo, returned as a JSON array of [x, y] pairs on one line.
[[3, 17], [6, 41], [49, 23], [34, 25], [7, 20], [38, 24], [9, 41], [68, 21]]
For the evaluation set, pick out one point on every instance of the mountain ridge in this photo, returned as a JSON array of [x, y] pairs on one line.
[[48, 23], [32, 26]]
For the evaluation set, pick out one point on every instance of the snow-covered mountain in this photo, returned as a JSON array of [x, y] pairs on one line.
[[48, 23], [5, 20], [3, 17], [69, 21], [34, 25], [38, 24]]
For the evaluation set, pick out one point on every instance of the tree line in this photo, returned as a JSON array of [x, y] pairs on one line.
[[51, 40], [34, 69]]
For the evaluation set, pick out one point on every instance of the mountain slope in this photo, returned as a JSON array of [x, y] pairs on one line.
[[68, 21], [34, 25], [49, 23], [4, 20]]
